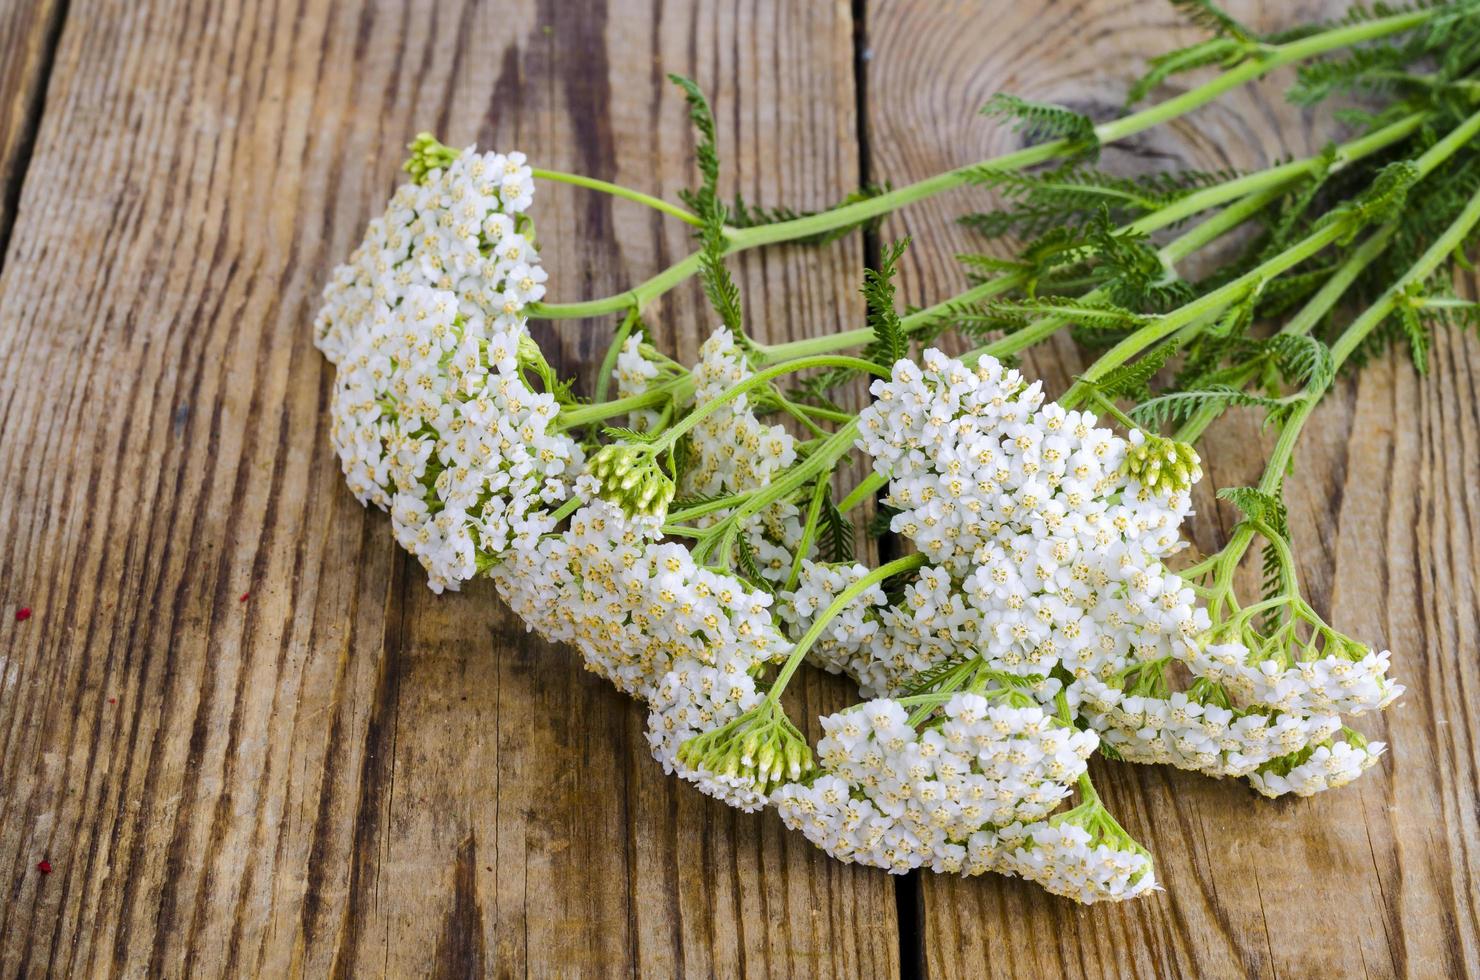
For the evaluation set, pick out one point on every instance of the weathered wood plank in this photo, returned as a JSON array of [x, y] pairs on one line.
[[27, 38], [1376, 879], [245, 736]]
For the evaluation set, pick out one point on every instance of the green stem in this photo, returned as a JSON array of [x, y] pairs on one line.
[[609, 362], [1257, 189], [1351, 338], [865, 490], [687, 514], [1214, 227], [1276, 265], [814, 632], [861, 211], [617, 190], [909, 323], [1303, 322], [1110, 132], [1262, 189], [678, 388], [797, 412], [809, 531], [566, 509], [756, 380], [838, 445]]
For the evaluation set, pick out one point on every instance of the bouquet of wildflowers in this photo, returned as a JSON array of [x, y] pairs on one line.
[[686, 530]]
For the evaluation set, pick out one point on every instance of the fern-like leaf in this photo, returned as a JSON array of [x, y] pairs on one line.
[[835, 539], [879, 524], [1040, 121], [696, 500], [1211, 17], [719, 286], [1418, 334], [1269, 511], [624, 434], [1214, 51], [705, 199], [890, 343], [924, 682], [1073, 195], [1255, 503], [748, 567], [1133, 380], [1382, 201], [1178, 406], [1302, 359]]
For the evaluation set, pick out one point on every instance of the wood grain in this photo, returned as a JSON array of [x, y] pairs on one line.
[[246, 737], [250, 742], [27, 40], [1378, 879]]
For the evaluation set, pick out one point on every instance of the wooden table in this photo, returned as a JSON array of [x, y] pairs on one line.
[[248, 740]]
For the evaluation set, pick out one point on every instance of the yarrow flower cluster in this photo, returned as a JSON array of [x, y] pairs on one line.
[[970, 791], [431, 415], [1043, 608], [633, 605], [1051, 564], [1045, 552], [1350, 679]]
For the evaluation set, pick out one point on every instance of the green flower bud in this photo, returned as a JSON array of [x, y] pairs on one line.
[[1161, 465], [631, 476], [427, 154]]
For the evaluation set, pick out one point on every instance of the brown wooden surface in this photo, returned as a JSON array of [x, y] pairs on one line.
[[27, 39], [342, 774]]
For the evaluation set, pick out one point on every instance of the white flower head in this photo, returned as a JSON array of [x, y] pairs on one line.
[[432, 416]]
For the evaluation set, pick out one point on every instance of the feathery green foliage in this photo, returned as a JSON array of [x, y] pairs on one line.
[[835, 540], [1040, 121], [890, 342], [1301, 359], [705, 199], [748, 567], [1033, 203], [1178, 406], [1211, 17], [1133, 380], [719, 285], [1269, 513]]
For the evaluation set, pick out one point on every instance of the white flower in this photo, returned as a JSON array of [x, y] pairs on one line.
[[634, 374], [1190, 734], [692, 698], [431, 415], [460, 450], [734, 451], [1025, 506], [899, 797], [635, 606], [1352, 680], [1078, 857], [461, 230], [1328, 766], [879, 645]]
